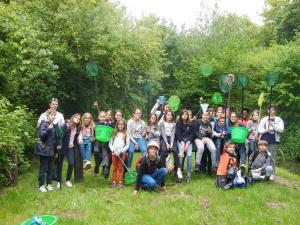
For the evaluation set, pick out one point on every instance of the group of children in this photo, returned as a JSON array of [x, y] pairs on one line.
[[169, 135]]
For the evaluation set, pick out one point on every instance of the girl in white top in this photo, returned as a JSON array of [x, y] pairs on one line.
[[119, 144]]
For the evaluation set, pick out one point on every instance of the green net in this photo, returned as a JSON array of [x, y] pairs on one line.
[[225, 82], [92, 69], [261, 99], [272, 78], [174, 102], [243, 80], [206, 70], [217, 98]]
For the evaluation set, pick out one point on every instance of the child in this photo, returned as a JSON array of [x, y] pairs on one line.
[[184, 137], [71, 131], [85, 139], [167, 130], [137, 131], [227, 168], [152, 131], [45, 149], [253, 133], [151, 173], [101, 149], [219, 134], [203, 134], [261, 162], [110, 117], [118, 145]]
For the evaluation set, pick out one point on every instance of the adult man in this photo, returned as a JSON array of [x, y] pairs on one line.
[[59, 118], [270, 128]]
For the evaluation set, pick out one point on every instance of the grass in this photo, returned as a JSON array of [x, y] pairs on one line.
[[200, 202]]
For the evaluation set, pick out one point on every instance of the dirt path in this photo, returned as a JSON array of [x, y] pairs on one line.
[[288, 183]]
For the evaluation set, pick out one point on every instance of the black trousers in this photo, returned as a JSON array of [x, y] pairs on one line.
[[164, 152], [46, 167]]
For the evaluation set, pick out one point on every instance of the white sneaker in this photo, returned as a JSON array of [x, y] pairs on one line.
[[272, 177], [179, 173], [58, 185], [69, 184], [42, 189], [50, 188]]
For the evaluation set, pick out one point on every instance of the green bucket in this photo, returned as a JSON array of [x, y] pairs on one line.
[[47, 219], [239, 134], [103, 133], [130, 177]]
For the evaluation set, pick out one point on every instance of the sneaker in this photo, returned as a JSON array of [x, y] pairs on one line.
[[106, 172], [179, 180], [87, 165], [69, 184], [156, 189], [113, 185], [179, 173], [188, 178], [121, 186], [84, 164], [42, 189], [50, 188], [58, 185], [272, 177]]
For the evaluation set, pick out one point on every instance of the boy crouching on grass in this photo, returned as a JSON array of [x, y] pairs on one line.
[[227, 169], [261, 162]]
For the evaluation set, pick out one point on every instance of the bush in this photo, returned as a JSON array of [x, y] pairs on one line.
[[289, 148], [16, 136]]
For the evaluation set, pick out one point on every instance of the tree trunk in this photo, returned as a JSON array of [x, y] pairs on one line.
[[78, 168], [14, 169]]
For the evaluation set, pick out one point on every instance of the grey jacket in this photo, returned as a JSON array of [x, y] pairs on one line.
[[163, 132], [261, 160]]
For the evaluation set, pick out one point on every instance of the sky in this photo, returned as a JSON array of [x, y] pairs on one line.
[[187, 11]]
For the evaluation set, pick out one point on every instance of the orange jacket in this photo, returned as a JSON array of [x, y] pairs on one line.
[[226, 160]]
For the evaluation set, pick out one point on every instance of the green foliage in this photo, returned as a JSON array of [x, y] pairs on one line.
[[290, 143], [17, 133]]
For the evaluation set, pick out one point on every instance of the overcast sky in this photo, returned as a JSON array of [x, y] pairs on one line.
[[187, 11]]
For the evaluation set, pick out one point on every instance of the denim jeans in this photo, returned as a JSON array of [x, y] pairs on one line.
[[188, 155], [251, 145], [142, 147], [242, 153], [218, 150], [155, 179], [85, 151], [69, 153]]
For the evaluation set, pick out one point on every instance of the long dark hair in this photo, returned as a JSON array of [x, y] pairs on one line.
[[149, 121], [71, 123], [180, 116], [165, 116]]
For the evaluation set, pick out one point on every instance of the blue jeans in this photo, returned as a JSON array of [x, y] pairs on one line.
[[218, 150], [142, 147], [155, 179], [242, 153], [188, 155], [251, 146], [85, 151], [69, 152]]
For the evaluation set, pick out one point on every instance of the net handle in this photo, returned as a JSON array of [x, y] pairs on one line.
[[124, 163]]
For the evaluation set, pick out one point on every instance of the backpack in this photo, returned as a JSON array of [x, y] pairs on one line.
[[138, 162]]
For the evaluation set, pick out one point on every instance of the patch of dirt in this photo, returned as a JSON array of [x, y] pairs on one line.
[[70, 213], [288, 183], [204, 203], [274, 204]]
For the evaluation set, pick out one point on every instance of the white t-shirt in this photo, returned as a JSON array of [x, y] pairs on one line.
[[59, 118]]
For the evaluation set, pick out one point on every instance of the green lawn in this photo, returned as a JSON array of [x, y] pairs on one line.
[[200, 202]]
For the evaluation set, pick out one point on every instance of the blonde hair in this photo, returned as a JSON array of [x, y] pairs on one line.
[[91, 125]]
